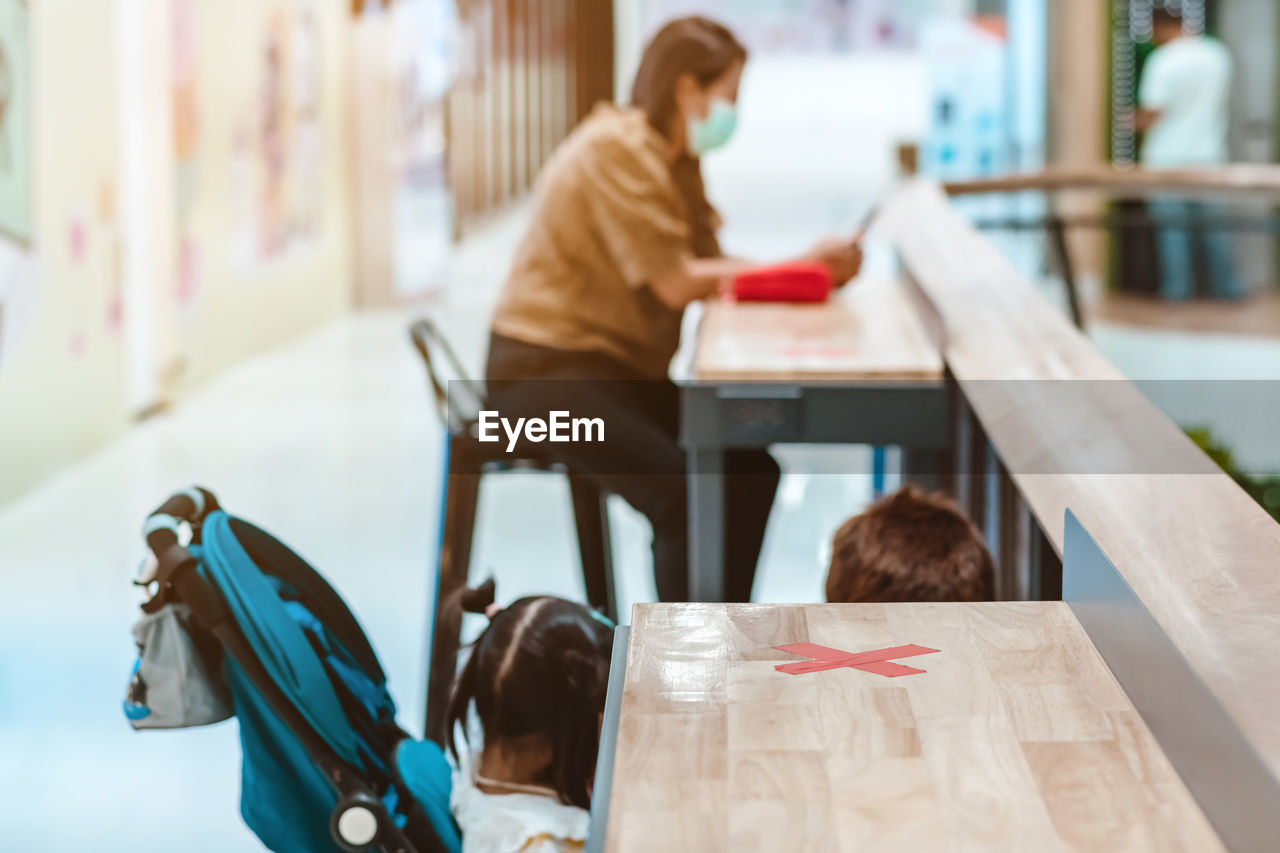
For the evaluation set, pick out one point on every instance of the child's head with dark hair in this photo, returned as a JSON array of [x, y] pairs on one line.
[[538, 676], [910, 546]]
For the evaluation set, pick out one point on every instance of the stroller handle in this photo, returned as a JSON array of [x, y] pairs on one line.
[[173, 567], [191, 505]]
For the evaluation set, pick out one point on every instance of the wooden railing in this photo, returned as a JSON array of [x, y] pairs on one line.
[[1233, 179], [1045, 423], [1239, 180]]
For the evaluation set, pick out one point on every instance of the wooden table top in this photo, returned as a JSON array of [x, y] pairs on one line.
[[1200, 554], [869, 330], [1016, 736]]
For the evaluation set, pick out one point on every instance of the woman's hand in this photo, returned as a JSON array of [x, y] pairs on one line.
[[842, 256]]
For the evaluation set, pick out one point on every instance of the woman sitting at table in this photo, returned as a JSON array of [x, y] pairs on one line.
[[622, 239]]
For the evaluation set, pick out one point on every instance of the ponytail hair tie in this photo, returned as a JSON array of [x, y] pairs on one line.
[[480, 599]]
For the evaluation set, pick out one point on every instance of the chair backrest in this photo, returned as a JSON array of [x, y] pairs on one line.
[[458, 398]]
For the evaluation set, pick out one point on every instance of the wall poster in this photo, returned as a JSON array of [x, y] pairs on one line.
[[278, 158], [15, 123], [17, 280]]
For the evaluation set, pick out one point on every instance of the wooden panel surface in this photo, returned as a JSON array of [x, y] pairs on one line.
[[528, 70], [869, 330], [1200, 554], [1016, 736]]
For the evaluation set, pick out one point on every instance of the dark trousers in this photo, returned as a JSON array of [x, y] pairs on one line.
[[640, 458]]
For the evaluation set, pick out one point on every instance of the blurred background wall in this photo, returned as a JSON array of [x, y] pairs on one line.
[[62, 369], [262, 180], [527, 72], [184, 183], [189, 206]]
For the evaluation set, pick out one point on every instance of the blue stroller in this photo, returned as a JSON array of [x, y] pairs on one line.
[[239, 624]]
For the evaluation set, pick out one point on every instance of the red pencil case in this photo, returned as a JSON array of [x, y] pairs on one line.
[[799, 281]]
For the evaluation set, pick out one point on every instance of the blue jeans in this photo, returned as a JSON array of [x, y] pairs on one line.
[[1181, 237]]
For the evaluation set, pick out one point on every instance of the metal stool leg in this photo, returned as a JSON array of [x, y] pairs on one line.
[[462, 492], [591, 515], [1058, 238]]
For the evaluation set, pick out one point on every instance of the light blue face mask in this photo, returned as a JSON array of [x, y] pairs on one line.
[[707, 134]]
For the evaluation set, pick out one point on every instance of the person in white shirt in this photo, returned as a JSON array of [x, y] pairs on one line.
[[1183, 110]]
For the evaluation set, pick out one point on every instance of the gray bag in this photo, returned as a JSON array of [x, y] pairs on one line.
[[173, 686]]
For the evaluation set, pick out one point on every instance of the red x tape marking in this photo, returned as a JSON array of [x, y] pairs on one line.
[[879, 661]]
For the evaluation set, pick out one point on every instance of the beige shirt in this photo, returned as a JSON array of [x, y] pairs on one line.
[[609, 217]]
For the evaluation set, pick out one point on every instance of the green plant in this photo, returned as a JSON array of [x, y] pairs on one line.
[[1264, 490]]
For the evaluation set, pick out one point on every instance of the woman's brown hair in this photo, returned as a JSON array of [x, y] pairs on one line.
[[694, 45], [706, 50]]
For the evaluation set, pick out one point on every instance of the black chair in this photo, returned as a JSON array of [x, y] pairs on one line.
[[459, 401]]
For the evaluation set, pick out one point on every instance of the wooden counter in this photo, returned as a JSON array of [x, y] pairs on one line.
[[869, 330], [1015, 737], [1199, 554]]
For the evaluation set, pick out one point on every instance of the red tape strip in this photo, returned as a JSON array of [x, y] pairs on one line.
[[878, 662]]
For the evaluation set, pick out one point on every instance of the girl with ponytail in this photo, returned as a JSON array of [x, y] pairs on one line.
[[536, 679]]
